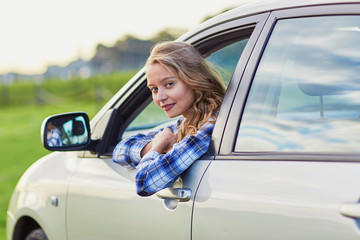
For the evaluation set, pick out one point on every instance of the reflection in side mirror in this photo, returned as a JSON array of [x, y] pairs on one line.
[[65, 132]]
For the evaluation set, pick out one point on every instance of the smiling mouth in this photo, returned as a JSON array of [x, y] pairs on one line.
[[167, 107]]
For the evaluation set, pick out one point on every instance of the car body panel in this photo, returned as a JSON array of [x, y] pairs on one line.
[[102, 204], [46, 180], [252, 199]]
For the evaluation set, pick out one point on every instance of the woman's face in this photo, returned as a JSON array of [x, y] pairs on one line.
[[168, 91]]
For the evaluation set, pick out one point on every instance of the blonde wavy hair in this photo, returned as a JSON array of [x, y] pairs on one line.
[[198, 74]]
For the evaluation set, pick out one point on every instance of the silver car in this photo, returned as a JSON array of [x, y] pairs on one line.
[[284, 162]]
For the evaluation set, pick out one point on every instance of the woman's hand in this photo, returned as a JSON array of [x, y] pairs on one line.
[[163, 141]]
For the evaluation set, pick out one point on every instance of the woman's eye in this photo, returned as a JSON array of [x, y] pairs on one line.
[[169, 84], [154, 89]]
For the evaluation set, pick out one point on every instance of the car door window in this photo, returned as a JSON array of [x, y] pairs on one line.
[[224, 61], [305, 95]]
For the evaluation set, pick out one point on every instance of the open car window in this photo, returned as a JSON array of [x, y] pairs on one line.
[[224, 60]]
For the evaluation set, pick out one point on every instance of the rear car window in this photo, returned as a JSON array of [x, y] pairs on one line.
[[305, 95]]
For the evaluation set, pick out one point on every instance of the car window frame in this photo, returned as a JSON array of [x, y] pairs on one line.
[[227, 148], [136, 97], [256, 22]]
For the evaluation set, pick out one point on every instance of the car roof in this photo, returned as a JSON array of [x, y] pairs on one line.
[[260, 6], [270, 5]]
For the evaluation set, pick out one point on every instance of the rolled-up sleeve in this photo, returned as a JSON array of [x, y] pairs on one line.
[[127, 152]]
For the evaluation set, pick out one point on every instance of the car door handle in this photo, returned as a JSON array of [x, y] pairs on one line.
[[180, 194], [350, 210]]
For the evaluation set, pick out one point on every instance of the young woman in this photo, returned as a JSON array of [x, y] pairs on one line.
[[182, 84]]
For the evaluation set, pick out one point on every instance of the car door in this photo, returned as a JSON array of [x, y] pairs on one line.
[[289, 161], [102, 201]]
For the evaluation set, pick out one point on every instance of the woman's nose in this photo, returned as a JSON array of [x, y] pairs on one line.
[[161, 96]]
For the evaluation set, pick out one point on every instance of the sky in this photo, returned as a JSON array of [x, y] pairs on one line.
[[39, 33]]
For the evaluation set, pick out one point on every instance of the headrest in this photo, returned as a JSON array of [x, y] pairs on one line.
[[329, 68]]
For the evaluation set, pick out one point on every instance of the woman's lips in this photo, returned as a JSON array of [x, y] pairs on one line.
[[167, 107]]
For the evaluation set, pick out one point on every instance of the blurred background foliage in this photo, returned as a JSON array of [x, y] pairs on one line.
[[96, 89]]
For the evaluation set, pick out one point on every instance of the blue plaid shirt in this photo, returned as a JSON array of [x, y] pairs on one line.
[[54, 138], [157, 171]]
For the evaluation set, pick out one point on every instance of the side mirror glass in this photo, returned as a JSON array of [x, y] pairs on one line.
[[66, 132]]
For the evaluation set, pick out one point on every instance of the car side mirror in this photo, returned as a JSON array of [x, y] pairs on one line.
[[66, 132]]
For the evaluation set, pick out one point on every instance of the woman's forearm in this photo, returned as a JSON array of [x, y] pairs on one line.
[[146, 149]]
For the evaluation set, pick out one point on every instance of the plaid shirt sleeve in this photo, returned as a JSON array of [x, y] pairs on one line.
[[158, 171], [127, 152]]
